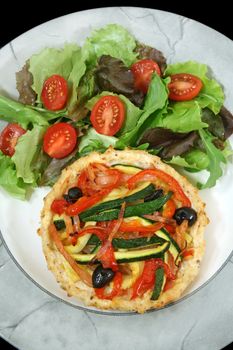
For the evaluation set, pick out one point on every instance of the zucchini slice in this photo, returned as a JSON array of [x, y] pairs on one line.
[[59, 222], [139, 193], [128, 169], [126, 256], [133, 210], [159, 283], [174, 249], [120, 243], [81, 242]]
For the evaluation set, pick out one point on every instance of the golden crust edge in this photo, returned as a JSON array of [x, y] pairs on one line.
[[56, 261]]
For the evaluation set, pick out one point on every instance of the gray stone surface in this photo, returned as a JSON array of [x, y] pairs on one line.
[[32, 320]]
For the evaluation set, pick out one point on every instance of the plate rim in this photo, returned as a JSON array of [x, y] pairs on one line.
[[86, 308]]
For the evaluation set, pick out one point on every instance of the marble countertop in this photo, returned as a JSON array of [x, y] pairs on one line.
[[32, 320]]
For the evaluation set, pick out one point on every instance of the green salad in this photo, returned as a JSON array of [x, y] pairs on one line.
[[112, 91]]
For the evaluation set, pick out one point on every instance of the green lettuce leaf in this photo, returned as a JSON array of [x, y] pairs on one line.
[[68, 62], [194, 160], [15, 112], [77, 72], [26, 153], [216, 157], [156, 100], [93, 141], [132, 114], [113, 40], [180, 117], [9, 180], [211, 95]]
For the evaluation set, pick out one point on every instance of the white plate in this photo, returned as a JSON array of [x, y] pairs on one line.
[[180, 39]]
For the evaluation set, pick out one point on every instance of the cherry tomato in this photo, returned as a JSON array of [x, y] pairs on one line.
[[9, 137], [107, 115], [60, 140], [54, 93], [142, 71], [184, 87]]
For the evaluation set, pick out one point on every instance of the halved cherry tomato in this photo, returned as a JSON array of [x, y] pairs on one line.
[[59, 206], [54, 93], [107, 115], [169, 209], [9, 137], [60, 140], [184, 87], [142, 71], [154, 174], [116, 290]]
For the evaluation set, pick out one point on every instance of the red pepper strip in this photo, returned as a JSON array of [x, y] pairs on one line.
[[97, 177], [134, 226], [100, 232], [58, 206], [117, 282], [168, 285], [187, 253], [106, 252], [147, 279], [154, 174], [107, 257], [170, 228], [86, 202], [85, 277], [169, 209]]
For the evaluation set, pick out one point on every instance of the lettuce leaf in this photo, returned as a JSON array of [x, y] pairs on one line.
[[216, 157], [211, 95], [194, 160], [132, 114], [181, 117], [113, 40], [156, 100], [68, 62], [93, 141], [9, 180], [26, 152], [15, 112]]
